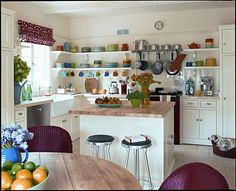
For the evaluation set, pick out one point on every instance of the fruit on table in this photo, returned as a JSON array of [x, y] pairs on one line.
[[6, 180], [106, 100], [24, 174], [21, 184], [39, 175], [30, 166], [19, 176]]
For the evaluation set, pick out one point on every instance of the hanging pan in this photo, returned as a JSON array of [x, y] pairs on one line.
[[168, 64], [157, 67]]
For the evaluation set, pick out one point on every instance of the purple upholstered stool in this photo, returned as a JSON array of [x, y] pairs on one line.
[[49, 139], [195, 176]]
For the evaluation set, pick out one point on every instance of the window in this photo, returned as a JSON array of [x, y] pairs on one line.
[[38, 58]]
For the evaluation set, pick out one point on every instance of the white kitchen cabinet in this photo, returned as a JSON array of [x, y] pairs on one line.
[[7, 28], [62, 121], [75, 130], [7, 78], [7, 90], [21, 117], [69, 122], [228, 41], [227, 57], [199, 121]]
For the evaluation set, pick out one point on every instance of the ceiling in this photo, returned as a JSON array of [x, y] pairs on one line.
[[74, 9]]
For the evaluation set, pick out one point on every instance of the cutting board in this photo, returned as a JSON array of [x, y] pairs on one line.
[[90, 83]]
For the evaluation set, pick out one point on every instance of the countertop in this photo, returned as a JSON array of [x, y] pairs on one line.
[[155, 110], [62, 97]]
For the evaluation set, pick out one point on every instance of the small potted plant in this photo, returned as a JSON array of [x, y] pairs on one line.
[[136, 98], [21, 71]]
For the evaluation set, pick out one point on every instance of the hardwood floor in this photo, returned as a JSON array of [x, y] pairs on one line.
[[196, 153]]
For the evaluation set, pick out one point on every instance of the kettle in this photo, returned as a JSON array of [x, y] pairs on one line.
[[113, 89]]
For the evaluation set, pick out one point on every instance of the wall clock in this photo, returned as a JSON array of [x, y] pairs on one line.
[[159, 25]]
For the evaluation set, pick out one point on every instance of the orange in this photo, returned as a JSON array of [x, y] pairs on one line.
[[24, 174], [21, 184], [39, 175], [6, 180], [44, 168]]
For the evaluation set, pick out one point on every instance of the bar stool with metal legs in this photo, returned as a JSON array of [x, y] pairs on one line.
[[101, 141], [142, 145]]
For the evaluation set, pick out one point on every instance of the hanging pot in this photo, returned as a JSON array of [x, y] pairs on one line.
[[140, 44], [144, 65], [157, 67], [168, 64]]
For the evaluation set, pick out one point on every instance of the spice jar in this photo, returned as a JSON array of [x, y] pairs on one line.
[[209, 43], [125, 47]]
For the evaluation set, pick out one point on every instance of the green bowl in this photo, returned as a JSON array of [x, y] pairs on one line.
[[41, 185]]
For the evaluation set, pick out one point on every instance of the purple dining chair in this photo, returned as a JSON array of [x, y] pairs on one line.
[[49, 139], [195, 176]]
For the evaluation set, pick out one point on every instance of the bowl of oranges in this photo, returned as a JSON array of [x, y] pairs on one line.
[[26, 176]]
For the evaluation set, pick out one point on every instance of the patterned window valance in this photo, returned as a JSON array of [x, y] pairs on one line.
[[36, 34]]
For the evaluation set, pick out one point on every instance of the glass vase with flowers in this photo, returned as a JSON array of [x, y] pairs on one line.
[[144, 80]]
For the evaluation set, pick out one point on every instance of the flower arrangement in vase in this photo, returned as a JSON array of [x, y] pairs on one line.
[[21, 71], [14, 137], [144, 80]]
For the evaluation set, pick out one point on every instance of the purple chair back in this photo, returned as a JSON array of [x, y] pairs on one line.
[[49, 139], [195, 176]]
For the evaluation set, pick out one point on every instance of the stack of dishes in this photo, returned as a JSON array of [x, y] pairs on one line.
[[97, 64], [112, 47], [84, 65], [98, 49], [111, 65], [85, 49]]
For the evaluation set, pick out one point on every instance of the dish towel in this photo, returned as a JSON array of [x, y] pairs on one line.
[[136, 138], [165, 98]]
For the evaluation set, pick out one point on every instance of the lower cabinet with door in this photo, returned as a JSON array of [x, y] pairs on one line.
[[198, 120], [69, 122]]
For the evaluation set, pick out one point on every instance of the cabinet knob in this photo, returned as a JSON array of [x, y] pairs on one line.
[[224, 43], [64, 121]]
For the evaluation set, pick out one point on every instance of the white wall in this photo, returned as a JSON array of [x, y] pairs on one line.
[[182, 27], [30, 13]]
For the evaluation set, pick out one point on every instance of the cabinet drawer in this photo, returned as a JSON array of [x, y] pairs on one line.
[[208, 104], [190, 103], [20, 114]]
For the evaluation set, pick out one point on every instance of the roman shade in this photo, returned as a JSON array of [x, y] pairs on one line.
[[36, 34]]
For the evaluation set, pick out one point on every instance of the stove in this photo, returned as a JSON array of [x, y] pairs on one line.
[[175, 97]]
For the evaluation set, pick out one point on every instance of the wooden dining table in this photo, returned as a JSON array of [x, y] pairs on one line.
[[73, 171]]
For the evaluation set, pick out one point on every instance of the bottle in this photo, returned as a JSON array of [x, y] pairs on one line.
[[23, 94], [29, 92]]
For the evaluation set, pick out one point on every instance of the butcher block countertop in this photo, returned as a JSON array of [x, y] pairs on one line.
[[155, 110]]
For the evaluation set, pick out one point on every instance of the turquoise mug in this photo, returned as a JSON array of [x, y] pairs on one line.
[[13, 155]]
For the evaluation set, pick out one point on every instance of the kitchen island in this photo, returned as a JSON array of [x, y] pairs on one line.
[[156, 121]]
